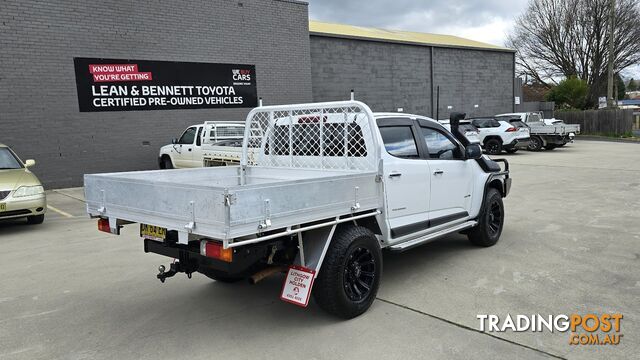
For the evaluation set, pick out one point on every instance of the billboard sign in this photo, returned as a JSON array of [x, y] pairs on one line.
[[127, 85]]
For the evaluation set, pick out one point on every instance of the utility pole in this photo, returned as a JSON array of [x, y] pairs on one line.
[[612, 24]]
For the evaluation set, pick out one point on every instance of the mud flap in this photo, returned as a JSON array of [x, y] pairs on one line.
[[314, 247]]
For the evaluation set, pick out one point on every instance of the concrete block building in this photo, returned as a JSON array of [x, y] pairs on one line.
[[427, 74], [45, 102]]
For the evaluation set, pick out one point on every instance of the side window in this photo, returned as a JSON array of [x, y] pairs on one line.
[[399, 141], [199, 137], [494, 123], [480, 124], [439, 145], [188, 136]]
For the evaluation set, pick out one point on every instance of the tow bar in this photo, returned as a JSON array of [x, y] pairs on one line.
[[174, 268]]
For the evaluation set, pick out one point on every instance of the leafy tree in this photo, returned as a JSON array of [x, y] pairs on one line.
[[632, 85], [564, 38], [569, 93]]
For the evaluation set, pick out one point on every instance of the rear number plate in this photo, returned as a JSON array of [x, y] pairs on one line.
[[153, 232], [3, 207]]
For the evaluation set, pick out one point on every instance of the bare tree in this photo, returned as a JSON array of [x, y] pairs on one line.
[[563, 38]]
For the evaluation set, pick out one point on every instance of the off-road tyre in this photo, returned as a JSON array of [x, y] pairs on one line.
[[350, 275], [535, 144], [490, 221], [220, 276], [493, 146], [35, 219]]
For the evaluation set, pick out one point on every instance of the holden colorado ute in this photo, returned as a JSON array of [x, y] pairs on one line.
[[330, 187]]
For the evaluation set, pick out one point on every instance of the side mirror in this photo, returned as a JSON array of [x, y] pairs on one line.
[[174, 141], [29, 163], [473, 151]]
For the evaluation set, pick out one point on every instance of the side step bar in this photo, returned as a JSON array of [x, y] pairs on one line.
[[432, 236]]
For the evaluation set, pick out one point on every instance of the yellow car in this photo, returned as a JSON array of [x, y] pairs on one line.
[[21, 194]]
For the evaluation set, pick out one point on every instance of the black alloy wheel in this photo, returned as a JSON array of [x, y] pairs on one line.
[[494, 218], [359, 274], [493, 146], [535, 144]]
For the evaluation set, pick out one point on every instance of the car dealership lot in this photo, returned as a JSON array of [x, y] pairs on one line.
[[570, 245]]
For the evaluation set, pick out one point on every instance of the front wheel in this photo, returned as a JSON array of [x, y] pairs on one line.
[[350, 275], [490, 221], [167, 163]]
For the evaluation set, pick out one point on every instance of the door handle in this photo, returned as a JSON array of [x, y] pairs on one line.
[[395, 174], [438, 172]]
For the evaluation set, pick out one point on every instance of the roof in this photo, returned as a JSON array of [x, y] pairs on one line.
[[397, 36]]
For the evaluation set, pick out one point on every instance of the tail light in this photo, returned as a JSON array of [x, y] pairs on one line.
[[103, 225], [214, 250], [511, 129]]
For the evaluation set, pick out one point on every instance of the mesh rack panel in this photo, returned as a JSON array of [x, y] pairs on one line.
[[336, 136]]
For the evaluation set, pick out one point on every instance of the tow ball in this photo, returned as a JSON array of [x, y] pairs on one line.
[[173, 269]]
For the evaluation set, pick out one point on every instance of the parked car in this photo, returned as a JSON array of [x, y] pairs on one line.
[[21, 193], [332, 184], [496, 135], [545, 133], [466, 127], [188, 150]]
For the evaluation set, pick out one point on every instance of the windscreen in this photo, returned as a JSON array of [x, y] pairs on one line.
[[8, 160]]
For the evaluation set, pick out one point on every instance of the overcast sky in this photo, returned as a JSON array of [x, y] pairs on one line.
[[482, 20]]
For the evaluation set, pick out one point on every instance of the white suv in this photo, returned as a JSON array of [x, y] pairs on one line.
[[496, 135], [470, 132]]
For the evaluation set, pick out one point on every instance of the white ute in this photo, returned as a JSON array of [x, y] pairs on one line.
[[545, 133], [198, 143], [331, 186]]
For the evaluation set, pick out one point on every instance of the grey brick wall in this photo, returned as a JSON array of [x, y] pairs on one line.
[[473, 77], [385, 76], [389, 76], [39, 114]]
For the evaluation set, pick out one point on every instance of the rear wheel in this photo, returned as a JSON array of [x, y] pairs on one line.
[[220, 276], [35, 219], [493, 146], [490, 221], [350, 274], [535, 144]]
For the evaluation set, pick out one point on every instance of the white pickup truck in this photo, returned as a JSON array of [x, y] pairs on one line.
[[547, 133], [331, 186], [213, 143]]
